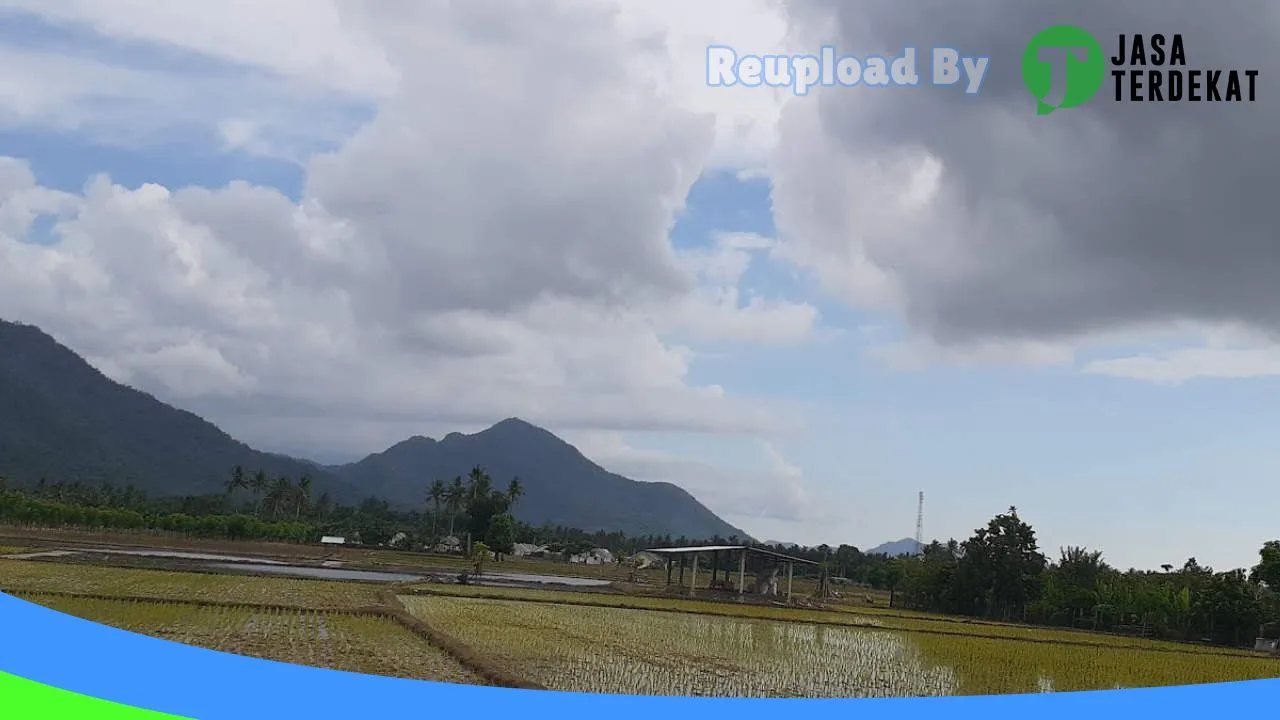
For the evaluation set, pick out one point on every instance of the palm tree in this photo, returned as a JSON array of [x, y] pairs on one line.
[[280, 495], [304, 495], [453, 499], [478, 483], [323, 506], [259, 485], [435, 494], [515, 490], [237, 481]]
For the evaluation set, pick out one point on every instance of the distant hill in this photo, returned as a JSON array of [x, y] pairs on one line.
[[562, 486], [63, 420], [905, 546]]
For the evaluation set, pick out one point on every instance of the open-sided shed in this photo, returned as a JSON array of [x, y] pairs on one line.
[[683, 554]]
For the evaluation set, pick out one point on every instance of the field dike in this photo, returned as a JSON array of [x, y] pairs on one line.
[[477, 663], [389, 608]]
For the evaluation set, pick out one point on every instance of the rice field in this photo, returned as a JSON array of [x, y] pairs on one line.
[[19, 576], [834, 615], [604, 642], [13, 550], [354, 643], [600, 649]]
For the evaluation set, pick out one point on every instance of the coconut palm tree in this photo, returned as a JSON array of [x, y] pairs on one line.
[[280, 496], [479, 484], [515, 490], [453, 498], [323, 506], [304, 496], [237, 481], [259, 484], [435, 494]]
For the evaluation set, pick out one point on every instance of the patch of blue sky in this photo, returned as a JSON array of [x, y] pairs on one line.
[[25, 31], [67, 161]]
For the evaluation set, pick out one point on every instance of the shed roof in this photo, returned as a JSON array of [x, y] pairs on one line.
[[721, 548]]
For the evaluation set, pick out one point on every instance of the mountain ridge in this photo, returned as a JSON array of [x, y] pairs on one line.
[[905, 546], [62, 419]]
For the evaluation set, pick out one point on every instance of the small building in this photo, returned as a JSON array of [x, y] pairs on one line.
[[644, 560], [597, 556], [528, 550], [399, 540], [448, 546], [766, 582], [333, 540], [1265, 644]]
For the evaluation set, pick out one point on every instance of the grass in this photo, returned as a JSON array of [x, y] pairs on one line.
[[14, 550], [372, 645], [602, 649], [24, 576]]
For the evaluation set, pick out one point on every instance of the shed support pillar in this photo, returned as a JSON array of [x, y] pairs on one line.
[[693, 574]]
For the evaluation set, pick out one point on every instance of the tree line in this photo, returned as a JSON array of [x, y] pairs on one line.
[[1000, 573]]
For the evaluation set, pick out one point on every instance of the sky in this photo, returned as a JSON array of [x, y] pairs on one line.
[[329, 225]]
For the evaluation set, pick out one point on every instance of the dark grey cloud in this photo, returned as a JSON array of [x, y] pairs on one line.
[[1089, 219]]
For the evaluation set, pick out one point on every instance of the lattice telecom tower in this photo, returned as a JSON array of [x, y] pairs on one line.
[[920, 524]]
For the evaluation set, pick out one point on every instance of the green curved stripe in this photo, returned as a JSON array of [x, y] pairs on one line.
[[22, 699]]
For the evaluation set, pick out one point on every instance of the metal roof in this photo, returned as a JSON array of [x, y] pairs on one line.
[[721, 548]]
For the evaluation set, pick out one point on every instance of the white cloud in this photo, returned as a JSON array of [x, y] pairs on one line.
[[1222, 352], [921, 353], [773, 494], [308, 40], [493, 243], [745, 118], [113, 104]]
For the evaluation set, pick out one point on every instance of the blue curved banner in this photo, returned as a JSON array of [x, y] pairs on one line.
[[50, 648]]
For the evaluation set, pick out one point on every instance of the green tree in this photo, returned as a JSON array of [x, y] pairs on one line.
[[479, 555], [1267, 571], [501, 535], [1003, 567]]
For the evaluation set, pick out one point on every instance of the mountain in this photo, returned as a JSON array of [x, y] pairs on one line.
[[562, 487], [63, 420], [905, 546]]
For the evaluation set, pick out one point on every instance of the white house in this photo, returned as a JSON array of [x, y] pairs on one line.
[[1264, 644], [598, 556], [333, 540]]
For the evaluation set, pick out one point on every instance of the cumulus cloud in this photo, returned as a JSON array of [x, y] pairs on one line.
[[983, 225], [773, 494], [493, 243]]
